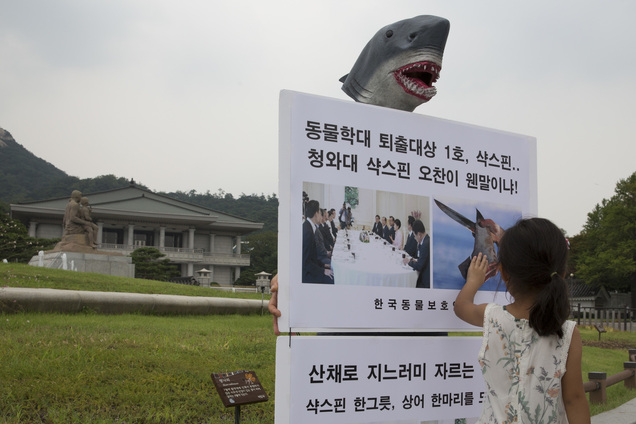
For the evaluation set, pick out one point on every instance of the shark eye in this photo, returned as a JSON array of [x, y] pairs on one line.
[[389, 34]]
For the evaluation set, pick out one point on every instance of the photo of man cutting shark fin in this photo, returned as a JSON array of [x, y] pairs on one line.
[[457, 238]]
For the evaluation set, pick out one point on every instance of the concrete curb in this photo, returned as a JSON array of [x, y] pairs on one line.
[[14, 299]]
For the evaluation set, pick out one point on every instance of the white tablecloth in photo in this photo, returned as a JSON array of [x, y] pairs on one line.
[[374, 264]]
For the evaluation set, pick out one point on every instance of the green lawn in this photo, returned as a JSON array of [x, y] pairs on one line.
[[607, 356], [21, 275], [89, 368]]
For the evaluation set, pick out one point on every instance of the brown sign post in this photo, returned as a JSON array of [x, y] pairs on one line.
[[238, 388]]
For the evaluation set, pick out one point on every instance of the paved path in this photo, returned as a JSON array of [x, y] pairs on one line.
[[624, 414]]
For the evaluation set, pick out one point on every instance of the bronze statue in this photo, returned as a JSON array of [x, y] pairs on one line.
[[90, 227], [80, 233]]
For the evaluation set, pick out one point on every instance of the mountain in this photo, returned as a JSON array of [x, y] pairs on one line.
[[25, 177], [21, 172]]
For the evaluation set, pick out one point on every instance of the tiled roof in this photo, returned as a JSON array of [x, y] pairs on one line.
[[579, 289]]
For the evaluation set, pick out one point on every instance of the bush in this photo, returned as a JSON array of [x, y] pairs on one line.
[[150, 266], [16, 245]]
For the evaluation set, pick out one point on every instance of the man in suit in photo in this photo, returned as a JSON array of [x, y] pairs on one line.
[[313, 271], [385, 229], [326, 230], [422, 263], [391, 230], [323, 237], [377, 226], [342, 216], [410, 247], [334, 228]]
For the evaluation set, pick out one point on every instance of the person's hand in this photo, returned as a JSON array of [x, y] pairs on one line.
[[329, 273], [273, 304], [465, 307], [477, 270]]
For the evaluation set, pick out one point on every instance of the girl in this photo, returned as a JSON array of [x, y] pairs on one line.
[[530, 355]]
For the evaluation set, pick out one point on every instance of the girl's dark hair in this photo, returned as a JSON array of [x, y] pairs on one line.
[[533, 254]]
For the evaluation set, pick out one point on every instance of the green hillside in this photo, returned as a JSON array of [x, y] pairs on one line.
[[25, 177]]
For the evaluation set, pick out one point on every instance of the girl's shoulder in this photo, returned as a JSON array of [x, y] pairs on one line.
[[569, 327], [495, 315], [494, 310]]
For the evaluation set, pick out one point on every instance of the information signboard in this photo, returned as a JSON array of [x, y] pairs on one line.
[[465, 185], [239, 388], [379, 161], [338, 379]]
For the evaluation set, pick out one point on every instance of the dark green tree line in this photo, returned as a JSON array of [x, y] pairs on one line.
[[258, 208], [604, 253], [263, 250]]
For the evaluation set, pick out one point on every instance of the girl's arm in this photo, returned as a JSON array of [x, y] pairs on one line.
[[576, 407], [465, 307]]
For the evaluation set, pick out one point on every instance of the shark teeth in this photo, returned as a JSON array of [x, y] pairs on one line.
[[418, 78]]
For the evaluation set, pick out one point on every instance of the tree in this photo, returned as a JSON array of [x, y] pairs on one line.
[[604, 254], [150, 266], [351, 196], [258, 208], [263, 250], [16, 245]]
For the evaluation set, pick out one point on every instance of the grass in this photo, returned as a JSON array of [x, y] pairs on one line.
[[86, 368], [89, 368], [21, 275], [607, 356]]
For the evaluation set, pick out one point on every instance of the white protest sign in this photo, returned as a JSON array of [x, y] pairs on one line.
[[369, 380], [450, 175]]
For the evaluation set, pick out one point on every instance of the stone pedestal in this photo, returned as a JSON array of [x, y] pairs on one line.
[[99, 263], [74, 243]]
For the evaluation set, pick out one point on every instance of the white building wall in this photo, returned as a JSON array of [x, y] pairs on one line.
[[202, 241], [329, 196], [364, 213], [223, 244], [49, 231], [222, 275]]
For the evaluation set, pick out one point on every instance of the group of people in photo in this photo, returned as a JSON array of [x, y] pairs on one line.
[[417, 245], [320, 232], [319, 238]]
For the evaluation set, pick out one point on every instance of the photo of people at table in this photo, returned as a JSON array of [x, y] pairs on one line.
[[364, 237]]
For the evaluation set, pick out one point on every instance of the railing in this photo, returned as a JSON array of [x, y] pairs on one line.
[[607, 317], [187, 255], [129, 248], [189, 281], [57, 263], [180, 250], [599, 381], [241, 289], [227, 259], [111, 246]]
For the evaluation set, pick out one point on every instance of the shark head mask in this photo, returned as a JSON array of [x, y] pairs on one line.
[[399, 65]]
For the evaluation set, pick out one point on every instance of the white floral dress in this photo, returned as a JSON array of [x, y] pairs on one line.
[[522, 370]]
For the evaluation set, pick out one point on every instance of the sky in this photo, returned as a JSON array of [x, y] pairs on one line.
[[183, 95]]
